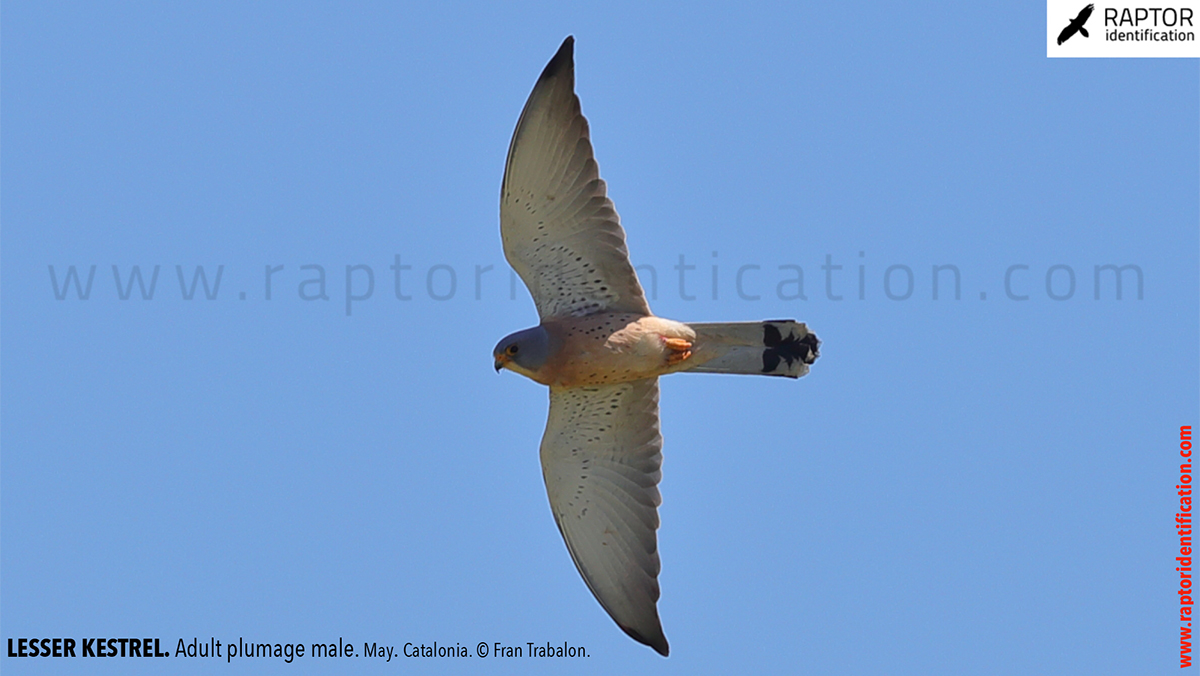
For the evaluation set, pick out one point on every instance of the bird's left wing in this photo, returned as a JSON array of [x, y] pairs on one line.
[[601, 459], [561, 232]]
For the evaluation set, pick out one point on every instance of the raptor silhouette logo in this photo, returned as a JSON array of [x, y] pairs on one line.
[[1076, 25]]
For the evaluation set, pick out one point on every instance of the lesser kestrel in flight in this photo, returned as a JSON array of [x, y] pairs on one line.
[[600, 350]]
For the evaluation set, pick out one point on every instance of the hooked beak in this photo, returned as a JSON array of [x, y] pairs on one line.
[[501, 360]]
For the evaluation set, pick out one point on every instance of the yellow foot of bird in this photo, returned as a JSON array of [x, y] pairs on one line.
[[680, 350]]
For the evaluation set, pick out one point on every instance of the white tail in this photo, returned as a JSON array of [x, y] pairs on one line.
[[772, 348]]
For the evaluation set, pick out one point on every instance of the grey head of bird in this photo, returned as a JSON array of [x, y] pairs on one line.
[[523, 352]]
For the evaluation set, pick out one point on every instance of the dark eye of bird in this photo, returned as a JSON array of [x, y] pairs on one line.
[[512, 349]]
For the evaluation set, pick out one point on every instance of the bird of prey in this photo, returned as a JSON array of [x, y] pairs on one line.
[[1076, 25], [600, 350]]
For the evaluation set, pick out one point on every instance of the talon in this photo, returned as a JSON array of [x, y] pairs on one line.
[[680, 350], [677, 357]]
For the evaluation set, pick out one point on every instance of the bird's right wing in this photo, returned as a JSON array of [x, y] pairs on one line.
[[561, 232], [1066, 33], [602, 459]]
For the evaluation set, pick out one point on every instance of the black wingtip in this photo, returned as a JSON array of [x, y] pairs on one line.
[[563, 59], [658, 642]]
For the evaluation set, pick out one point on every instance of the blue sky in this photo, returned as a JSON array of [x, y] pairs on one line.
[[980, 485]]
